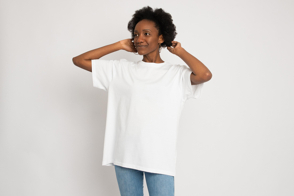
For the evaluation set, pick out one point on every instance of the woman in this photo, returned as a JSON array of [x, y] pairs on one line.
[[145, 100]]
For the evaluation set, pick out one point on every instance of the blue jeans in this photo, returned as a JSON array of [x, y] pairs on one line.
[[130, 182]]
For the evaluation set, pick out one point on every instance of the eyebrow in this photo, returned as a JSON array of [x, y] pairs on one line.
[[143, 30]]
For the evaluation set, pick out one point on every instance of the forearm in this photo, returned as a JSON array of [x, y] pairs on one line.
[[198, 68], [99, 52]]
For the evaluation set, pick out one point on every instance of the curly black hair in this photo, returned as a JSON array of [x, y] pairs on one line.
[[163, 22]]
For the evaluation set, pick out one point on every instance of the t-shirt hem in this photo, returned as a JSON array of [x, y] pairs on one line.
[[145, 169]]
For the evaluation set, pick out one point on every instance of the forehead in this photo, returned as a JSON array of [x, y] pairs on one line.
[[145, 25]]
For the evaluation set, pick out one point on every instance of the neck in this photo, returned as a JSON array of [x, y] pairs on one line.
[[152, 58]]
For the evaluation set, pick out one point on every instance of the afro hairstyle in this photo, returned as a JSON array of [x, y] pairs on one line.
[[163, 23]]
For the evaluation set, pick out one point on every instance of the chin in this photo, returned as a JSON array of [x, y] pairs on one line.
[[143, 53]]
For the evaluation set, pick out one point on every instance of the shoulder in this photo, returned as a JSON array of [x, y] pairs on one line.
[[119, 62], [125, 62], [180, 68]]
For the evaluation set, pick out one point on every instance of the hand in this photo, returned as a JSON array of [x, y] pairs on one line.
[[175, 48], [128, 45]]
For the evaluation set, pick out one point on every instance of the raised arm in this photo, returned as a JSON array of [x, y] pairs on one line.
[[84, 60]]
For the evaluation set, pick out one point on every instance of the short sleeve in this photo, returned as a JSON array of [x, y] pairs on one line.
[[103, 72], [189, 90]]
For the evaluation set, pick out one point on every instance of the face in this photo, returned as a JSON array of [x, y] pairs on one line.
[[146, 37]]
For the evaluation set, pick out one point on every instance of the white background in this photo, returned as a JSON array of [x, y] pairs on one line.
[[237, 139]]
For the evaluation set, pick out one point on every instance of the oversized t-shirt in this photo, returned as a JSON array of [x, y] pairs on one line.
[[145, 101]]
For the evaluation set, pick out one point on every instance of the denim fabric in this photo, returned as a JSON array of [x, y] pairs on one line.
[[130, 182]]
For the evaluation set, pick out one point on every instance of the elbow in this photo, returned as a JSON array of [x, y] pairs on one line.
[[207, 76], [75, 61]]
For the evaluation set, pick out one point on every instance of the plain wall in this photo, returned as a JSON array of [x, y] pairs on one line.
[[237, 139]]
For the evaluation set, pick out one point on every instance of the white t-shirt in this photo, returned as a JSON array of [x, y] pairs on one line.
[[145, 101]]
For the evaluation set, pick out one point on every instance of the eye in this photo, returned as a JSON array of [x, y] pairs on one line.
[[145, 33]]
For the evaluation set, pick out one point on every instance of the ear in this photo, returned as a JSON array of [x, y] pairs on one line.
[[161, 39]]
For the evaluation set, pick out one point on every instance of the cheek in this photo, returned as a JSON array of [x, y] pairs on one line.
[[153, 42]]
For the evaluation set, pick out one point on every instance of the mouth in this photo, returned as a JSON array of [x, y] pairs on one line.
[[142, 46]]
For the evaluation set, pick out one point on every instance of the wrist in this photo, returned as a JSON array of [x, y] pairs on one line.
[[119, 45], [180, 52]]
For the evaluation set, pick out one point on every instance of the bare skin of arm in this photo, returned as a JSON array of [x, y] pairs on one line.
[[84, 60], [200, 73]]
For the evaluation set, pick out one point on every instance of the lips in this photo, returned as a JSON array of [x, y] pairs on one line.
[[141, 46]]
